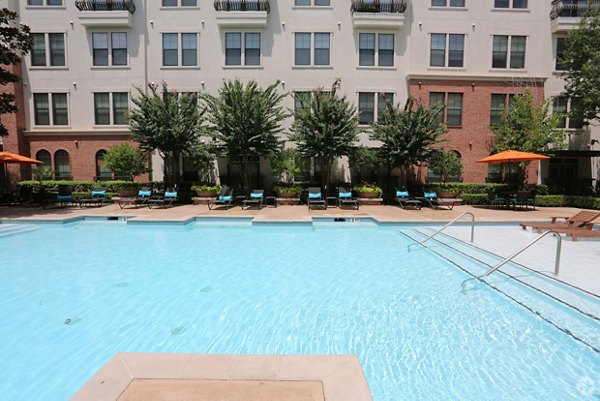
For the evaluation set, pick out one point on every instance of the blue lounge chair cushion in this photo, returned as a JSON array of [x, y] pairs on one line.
[[170, 194], [402, 194], [314, 196], [98, 193], [144, 194], [256, 195], [62, 198], [345, 195], [225, 198], [430, 195]]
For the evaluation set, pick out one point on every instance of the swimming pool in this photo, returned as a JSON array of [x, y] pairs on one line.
[[72, 295]]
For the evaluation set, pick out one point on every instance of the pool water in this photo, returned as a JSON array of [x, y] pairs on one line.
[[72, 295]]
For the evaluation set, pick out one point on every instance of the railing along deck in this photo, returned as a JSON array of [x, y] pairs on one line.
[[379, 6], [571, 8], [105, 5], [242, 5]]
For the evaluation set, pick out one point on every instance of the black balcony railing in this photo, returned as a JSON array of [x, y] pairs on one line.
[[242, 5], [105, 5], [379, 6], [571, 8]]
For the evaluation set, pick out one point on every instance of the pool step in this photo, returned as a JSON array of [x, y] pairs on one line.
[[7, 230], [571, 319]]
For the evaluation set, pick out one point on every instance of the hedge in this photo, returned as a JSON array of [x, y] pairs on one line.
[[86, 186], [463, 188], [582, 202]]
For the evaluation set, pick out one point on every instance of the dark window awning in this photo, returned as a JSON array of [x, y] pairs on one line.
[[574, 153]]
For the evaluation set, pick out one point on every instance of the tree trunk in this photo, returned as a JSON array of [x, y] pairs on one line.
[[246, 178], [326, 168], [389, 177]]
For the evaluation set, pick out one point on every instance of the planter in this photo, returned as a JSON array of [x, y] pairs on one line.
[[206, 194], [287, 194], [128, 192], [446, 194], [368, 195]]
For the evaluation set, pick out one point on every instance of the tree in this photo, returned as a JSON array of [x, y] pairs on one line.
[[581, 60], [364, 161], [445, 164], [167, 122], [15, 42], [285, 164], [408, 134], [246, 122], [125, 160], [325, 127]]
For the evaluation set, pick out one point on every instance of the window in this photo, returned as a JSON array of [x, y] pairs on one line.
[[561, 46], [62, 166], [101, 170], [498, 107], [184, 3], [189, 49], [368, 51], [500, 54], [568, 111], [452, 114], [44, 156], [234, 46], [308, 3], [41, 109], [371, 105], [55, 57], [111, 108], [447, 3], [456, 46], [321, 55], [109, 48], [44, 2], [510, 4], [301, 99]]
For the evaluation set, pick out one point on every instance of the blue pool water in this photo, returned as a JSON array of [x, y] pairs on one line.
[[73, 295]]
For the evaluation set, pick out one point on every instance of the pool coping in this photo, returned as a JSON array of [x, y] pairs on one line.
[[341, 376]]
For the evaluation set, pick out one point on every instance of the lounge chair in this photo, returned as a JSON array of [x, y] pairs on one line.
[[405, 200], [256, 198], [225, 198], [345, 198], [65, 195], [582, 220], [576, 233], [431, 199], [165, 200], [141, 199], [96, 198], [495, 199], [522, 199], [315, 198]]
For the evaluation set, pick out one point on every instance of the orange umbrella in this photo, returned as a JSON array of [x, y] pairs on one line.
[[512, 156], [8, 157]]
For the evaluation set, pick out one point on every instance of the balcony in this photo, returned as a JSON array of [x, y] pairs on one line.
[[242, 13], [378, 14], [106, 13], [566, 14]]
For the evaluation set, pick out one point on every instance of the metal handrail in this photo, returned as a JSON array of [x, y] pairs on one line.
[[571, 8], [106, 5], [448, 225], [242, 5], [542, 235], [378, 6]]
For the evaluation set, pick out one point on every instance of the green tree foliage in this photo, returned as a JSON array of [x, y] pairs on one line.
[[125, 160], [285, 164], [446, 164], [326, 127], [408, 134], [246, 121], [203, 157], [582, 63], [15, 42], [527, 127], [363, 162], [167, 122]]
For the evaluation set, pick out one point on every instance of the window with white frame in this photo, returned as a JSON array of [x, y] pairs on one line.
[[568, 111], [447, 3], [172, 57], [182, 3], [499, 103], [242, 48], [110, 108], [453, 102], [45, 3], [502, 57], [321, 48], [50, 109], [308, 3], [454, 57], [518, 4], [371, 105], [376, 49], [54, 56], [109, 49]]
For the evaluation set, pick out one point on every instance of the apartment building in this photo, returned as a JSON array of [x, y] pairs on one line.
[[90, 55]]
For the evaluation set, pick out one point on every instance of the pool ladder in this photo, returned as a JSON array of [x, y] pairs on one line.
[[448, 225], [536, 239]]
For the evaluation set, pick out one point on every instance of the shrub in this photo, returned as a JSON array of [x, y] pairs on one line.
[[367, 187], [206, 187], [289, 187], [87, 186], [474, 199], [482, 188], [550, 201]]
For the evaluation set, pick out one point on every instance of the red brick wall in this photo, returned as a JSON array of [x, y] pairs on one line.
[[473, 139]]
